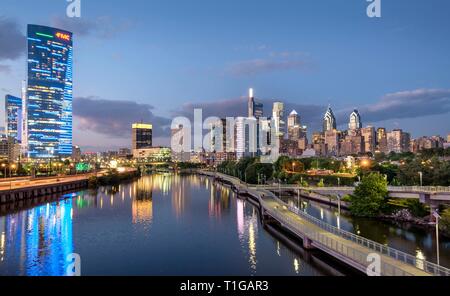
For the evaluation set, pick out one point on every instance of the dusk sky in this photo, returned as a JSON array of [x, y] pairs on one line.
[[153, 60]]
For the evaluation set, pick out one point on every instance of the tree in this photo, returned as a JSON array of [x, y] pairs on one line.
[[370, 197]]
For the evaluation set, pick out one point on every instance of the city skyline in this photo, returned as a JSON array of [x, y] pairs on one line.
[[288, 70]]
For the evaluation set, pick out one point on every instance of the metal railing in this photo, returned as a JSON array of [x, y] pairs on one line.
[[329, 242], [431, 189], [424, 265], [355, 255]]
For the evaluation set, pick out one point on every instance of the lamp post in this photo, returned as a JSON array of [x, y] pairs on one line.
[[279, 188], [12, 167], [339, 204], [421, 178], [4, 166], [437, 217]]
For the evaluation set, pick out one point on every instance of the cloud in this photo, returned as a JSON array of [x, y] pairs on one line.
[[5, 69], [104, 27], [404, 104], [114, 118], [310, 115], [260, 66], [399, 105], [12, 40]]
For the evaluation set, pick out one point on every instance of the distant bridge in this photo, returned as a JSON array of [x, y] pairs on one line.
[[432, 195], [347, 247]]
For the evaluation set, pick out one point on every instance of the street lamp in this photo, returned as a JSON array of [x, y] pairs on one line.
[[437, 217], [421, 178], [12, 167], [4, 166]]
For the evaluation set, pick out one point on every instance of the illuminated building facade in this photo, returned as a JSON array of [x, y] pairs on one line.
[[49, 92], [355, 120], [13, 112], [142, 136], [329, 121], [277, 116]]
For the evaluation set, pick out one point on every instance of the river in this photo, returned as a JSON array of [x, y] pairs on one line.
[[165, 224]]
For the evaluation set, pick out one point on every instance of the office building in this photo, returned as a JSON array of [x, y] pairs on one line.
[[49, 92], [277, 118], [381, 140], [13, 115], [76, 153], [355, 120], [329, 121], [255, 108], [142, 134]]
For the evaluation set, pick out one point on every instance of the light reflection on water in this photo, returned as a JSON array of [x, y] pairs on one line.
[[407, 238], [157, 225]]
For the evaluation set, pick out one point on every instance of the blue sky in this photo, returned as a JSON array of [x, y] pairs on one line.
[[153, 60]]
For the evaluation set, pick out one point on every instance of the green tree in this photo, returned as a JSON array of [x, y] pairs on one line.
[[370, 197]]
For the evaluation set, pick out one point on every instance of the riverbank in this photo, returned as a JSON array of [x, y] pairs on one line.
[[112, 178], [32, 188]]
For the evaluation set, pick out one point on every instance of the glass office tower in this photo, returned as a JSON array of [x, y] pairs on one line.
[[13, 112], [142, 135], [49, 92]]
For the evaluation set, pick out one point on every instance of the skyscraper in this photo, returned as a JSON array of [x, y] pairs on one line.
[[329, 121], [255, 109], [277, 116], [142, 135], [355, 120], [13, 115], [49, 92], [382, 140], [398, 141], [369, 135], [295, 131]]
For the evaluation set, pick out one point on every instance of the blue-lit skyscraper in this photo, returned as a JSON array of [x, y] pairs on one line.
[[13, 112], [49, 92]]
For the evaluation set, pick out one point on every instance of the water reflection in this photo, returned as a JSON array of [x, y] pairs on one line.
[[407, 238], [41, 237], [157, 225], [247, 224]]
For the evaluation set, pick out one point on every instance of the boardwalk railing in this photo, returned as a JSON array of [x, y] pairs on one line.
[[356, 255], [430, 189], [344, 249], [424, 265], [408, 189]]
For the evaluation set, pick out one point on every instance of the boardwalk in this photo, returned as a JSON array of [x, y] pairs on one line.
[[347, 247]]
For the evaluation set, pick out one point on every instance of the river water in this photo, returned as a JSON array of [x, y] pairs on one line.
[[411, 239], [167, 224]]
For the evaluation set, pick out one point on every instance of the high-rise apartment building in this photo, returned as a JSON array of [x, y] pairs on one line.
[[382, 140], [398, 141], [369, 135], [49, 92]]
